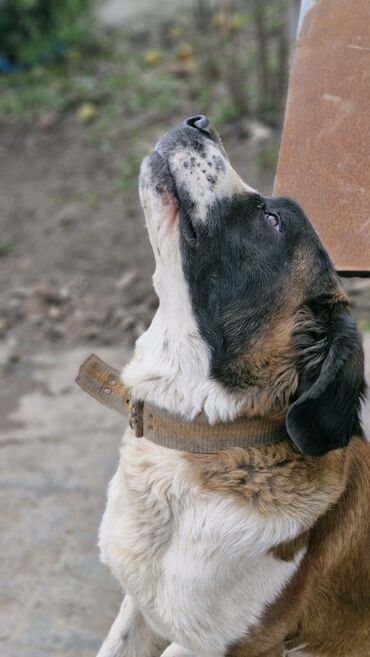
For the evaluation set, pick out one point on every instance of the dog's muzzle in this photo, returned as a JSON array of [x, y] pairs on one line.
[[188, 164]]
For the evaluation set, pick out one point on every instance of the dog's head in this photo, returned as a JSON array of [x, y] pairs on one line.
[[265, 297]]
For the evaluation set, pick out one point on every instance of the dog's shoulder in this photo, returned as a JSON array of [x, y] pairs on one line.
[[333, 581]]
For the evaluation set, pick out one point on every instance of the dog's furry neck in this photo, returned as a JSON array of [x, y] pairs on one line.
[[171, 365], [170, 368]]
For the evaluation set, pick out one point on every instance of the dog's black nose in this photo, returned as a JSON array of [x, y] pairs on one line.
[[199, 122]]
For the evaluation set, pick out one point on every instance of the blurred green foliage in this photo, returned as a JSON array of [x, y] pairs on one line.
[[32, 30], [6, 247], [214, 66], [267, 157], [364, 325], [126, 84]]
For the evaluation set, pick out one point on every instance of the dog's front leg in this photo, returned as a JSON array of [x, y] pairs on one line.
[[130, 635]]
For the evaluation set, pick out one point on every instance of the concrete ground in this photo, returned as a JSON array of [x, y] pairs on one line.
[[59, 449]]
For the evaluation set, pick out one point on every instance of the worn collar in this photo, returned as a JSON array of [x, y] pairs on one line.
[[167, 429]]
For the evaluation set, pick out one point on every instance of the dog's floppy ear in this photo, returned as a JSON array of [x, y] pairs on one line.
[[330, 364]]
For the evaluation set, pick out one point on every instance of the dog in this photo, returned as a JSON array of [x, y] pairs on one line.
[[256, 551]]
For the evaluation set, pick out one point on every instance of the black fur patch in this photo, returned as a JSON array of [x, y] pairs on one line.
[[160, 177], [330, 363], [239, 269]]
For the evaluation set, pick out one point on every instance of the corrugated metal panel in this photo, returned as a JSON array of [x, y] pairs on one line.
[[324, 158]]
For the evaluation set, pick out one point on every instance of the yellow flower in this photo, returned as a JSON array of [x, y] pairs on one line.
[[86, 112], [152, 57], [235, 22]]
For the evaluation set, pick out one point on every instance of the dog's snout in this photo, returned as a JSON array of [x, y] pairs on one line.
[[199, 122]]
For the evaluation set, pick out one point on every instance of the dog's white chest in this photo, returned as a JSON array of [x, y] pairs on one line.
[[197, 563]]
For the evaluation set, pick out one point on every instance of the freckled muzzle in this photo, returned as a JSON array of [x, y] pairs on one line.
[[189, 167], [188, 163]]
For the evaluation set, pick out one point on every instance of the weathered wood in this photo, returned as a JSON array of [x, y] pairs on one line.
[[324, 160]]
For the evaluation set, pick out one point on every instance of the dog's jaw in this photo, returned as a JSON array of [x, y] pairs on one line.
[[171, 364], [170, 367]]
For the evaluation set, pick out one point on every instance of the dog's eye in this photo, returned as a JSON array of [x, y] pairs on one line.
[[187, 227], [273, 219]]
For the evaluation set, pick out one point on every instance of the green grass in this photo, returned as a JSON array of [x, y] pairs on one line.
[[364, 325], [127, 177], [267, 158], [226, 112], [111, 70], [125, 88], [28, 94], [6, 247], [132, 94]]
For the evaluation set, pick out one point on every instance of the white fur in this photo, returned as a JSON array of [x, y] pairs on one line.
[[170, 368], [129, 631], [207, 179], [196, 563]]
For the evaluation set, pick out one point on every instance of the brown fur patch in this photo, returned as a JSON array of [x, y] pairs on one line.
[[267, 371], [267, 368], [288, 551], [326, 606], [274, 478]]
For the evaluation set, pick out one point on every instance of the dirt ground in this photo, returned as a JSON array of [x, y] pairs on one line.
[[81, 265]]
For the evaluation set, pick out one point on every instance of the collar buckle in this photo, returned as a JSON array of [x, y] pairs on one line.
[[136, 417]]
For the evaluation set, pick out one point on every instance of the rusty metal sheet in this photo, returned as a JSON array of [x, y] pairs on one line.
[[324, 160]]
